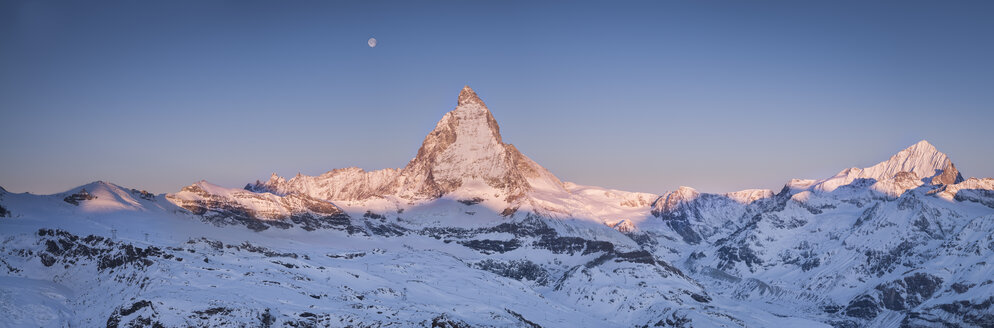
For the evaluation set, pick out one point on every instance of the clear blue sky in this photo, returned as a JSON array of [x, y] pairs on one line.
[[643, 96]]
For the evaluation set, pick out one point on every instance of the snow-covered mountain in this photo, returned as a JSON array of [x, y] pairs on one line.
[[920, 164], [472, 233]]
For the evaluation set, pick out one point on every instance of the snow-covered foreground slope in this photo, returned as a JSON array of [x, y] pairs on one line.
[[146, 267], [472, 233]]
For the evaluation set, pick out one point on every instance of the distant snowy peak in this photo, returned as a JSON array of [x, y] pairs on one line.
[[671, 200], [914, 166], [923, 160], [684, 195], [101, 196], [750, 195], [347, 184]]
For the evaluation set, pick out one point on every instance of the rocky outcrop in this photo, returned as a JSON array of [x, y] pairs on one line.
[[948, 175], [4, 212], [79, 197]]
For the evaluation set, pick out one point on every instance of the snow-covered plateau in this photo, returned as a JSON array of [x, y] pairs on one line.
[[473, 233]]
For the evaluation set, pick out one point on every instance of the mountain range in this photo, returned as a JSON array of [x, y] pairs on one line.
[[473, 233]]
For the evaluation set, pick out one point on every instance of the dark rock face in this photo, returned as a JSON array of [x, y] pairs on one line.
[[923, 285], [674, 321], [489, 246], [524, 322], [542, 236], [881, 262], [730, 255], [641, 256], [701, 298], [143, 194], [684, 229], [947, 176], [471, 201], [523, 270], [810, 264], [902, 295], [978, 314], [47, 259], [960, 288], [868, 214], [573, 245], [64, 247], [443, 321], [309, 222], [863, 307], [892, 297], [78, 197], [248, 247], [129, 254], [139, 314], [386, 230], [533, 227]]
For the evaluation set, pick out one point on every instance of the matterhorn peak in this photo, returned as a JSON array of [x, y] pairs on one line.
[[465, 152], [468, 97], [463, 156]]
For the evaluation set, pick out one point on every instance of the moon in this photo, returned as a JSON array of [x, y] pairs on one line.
[[371, 42]]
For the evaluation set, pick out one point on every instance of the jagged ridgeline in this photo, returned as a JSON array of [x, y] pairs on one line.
[[473, 233]]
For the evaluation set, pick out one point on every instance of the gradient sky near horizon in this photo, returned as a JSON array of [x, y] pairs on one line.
[[641, 96]]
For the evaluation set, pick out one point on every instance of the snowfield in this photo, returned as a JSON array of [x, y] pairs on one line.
[[472, 233]]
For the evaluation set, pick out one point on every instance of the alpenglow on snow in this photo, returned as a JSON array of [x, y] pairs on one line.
[[473, 233]]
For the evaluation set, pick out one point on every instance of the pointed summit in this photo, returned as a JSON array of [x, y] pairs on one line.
[[920, 162], [922, 159], [922, 150], [923, 144], [467, 97]]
